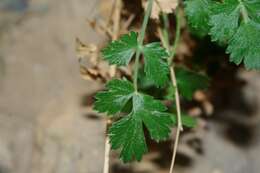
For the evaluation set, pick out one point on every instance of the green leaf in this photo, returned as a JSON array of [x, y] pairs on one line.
[[188, 82], [225, 20], [144, 83], [225, 6], [197, 12], [121, 51], [170, 92], [153, 114], [156, 67], [128, 134], [235, 22], [187, 120], [245, 45], [252, 7], [114, 100], [242, 36]]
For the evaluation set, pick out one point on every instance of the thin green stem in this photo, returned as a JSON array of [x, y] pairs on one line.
[[145, 22], [172, 52], [141, 40], [177, 36], [165, 31], [136, 69]]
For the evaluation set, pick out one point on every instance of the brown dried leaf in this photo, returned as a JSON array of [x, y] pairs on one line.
[[86, 50], [106, 9], [165, 6], [92, 74], [88, 59], [94, 70], [100, 27]]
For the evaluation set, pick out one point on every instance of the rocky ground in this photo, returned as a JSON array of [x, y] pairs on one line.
[[43, 121]]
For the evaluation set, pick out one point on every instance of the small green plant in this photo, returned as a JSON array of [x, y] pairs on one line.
[[127, 133], [133, 108], [234, 23]]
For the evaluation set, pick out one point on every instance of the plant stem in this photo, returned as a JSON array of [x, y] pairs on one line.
[[165, 31], [173, 77], [177, 36], [141, 40], [107, 151], [116, 12], [243, 11], [179, 120], [172, 54], [136, 68]]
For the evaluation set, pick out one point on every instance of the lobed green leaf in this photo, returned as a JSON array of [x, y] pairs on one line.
[[232, 22], [112, 101], [128, 133], [224, 21], [198, 12], [245, 45], [156, 68], [120, 52], [252, 7]]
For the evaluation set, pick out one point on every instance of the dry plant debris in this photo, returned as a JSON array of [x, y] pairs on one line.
[[162, 6]]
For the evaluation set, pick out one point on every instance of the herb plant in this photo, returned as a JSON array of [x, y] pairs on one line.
[[127, 133], [231, 23]]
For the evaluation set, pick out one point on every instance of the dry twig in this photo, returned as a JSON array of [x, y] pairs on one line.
[[112, 72]]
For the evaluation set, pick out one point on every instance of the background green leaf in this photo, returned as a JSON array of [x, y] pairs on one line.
[[245, 45], [224, 20], [197, 12], [188, 82]]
